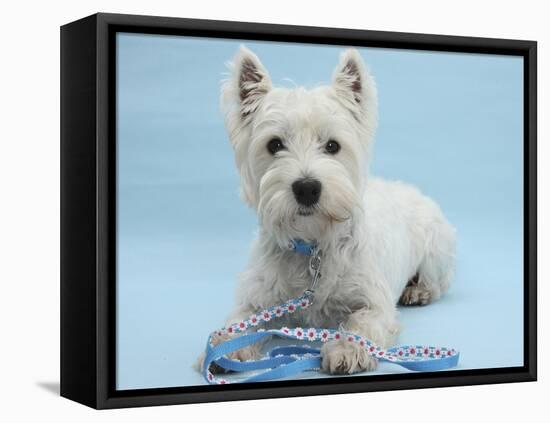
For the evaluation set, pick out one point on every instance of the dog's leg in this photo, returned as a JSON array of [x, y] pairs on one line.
[[376, 324], [436, 269], [252, 352]]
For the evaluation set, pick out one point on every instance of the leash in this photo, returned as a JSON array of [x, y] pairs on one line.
[[287, 361]]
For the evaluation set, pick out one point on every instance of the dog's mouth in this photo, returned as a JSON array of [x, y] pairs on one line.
[[302, 211]]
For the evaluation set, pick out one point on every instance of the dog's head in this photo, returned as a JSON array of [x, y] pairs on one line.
[[301, 154]]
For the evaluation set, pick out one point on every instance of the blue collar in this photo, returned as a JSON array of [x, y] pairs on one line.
[[302, 247]]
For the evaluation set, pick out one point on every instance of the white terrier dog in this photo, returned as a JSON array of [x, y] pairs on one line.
[[303, 160]]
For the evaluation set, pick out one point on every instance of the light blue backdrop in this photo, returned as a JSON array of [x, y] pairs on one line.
[[449, 123]]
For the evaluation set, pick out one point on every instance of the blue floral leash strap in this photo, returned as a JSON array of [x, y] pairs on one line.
[[286, 361]]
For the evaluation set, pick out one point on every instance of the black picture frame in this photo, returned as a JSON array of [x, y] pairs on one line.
[[88, 205]]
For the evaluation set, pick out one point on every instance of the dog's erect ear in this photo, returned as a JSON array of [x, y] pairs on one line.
[[250, 81], [355, 89], [241, 96], [350, 79]]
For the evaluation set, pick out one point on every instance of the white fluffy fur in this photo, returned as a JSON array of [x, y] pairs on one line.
[[375, 235]]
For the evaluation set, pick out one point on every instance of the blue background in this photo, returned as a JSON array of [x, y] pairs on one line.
[[451, 124]]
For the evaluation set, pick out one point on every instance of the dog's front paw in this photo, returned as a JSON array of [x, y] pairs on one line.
[[344, 357], [251, 352]]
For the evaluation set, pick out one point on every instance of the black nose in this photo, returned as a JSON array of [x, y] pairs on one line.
[[307, 191]]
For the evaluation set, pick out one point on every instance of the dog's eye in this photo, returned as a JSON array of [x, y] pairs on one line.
[[275, 145], [332, 147]]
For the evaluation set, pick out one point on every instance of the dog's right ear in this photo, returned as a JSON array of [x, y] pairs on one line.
[[248, 84], [241, 96]]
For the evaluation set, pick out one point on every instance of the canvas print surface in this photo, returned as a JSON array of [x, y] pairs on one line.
[[404, 167]]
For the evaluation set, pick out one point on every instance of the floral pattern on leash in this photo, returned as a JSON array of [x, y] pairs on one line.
[[401, 354]]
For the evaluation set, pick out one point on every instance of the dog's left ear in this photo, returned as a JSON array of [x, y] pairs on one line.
[[351, 80]]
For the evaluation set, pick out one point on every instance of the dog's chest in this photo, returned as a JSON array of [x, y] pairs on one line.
[[334, 299]]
